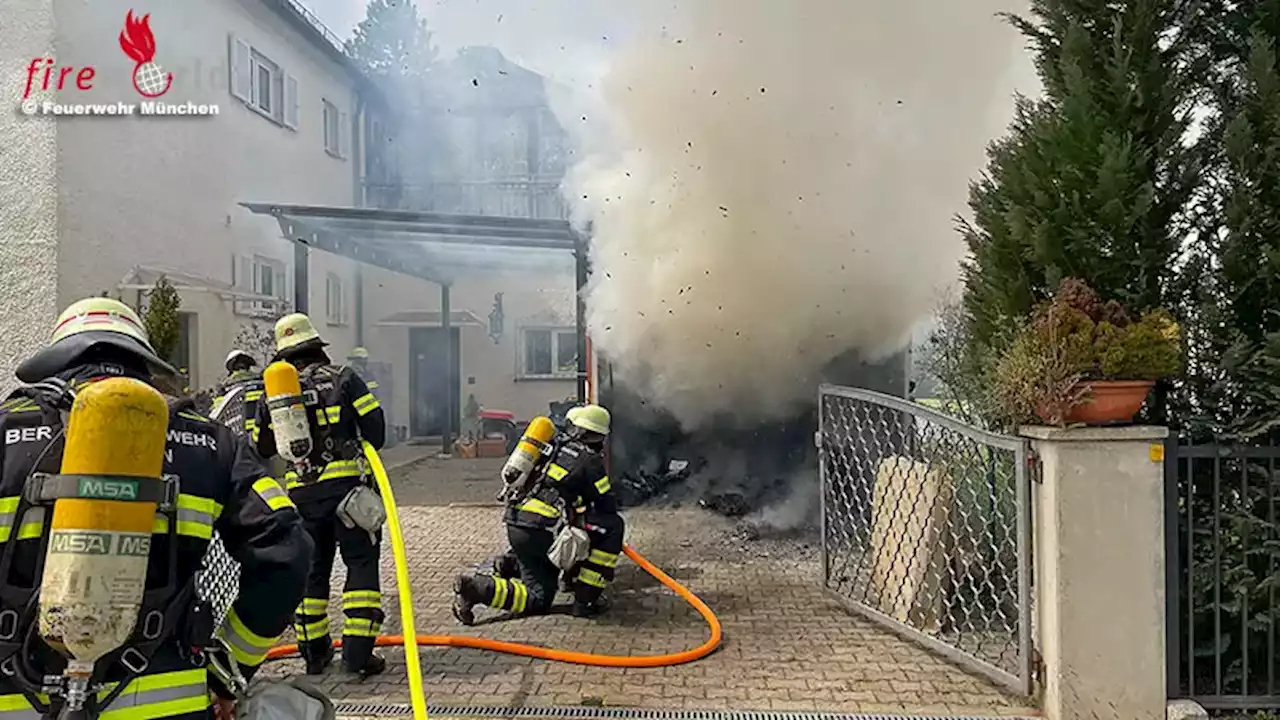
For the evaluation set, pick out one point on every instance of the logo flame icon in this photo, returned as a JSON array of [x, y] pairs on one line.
[[139, 44]]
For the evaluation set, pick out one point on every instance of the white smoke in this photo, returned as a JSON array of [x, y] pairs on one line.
[[773, 183]]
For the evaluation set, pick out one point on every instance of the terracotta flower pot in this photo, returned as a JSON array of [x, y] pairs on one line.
[[1111, 401]]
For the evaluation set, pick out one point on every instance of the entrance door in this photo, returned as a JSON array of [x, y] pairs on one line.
[[185, 352], [432, 380]]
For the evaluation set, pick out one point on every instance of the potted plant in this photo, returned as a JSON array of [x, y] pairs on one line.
[[1080, 360]]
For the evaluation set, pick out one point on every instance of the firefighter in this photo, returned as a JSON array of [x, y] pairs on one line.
[[342, 412], [359, 360], [241, 375], [573, 475], [220, 485], [597, 513]]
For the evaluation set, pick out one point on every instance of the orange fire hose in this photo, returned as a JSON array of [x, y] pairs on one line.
[[569, 656]]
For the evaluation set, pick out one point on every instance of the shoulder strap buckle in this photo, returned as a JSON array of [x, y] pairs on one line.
[[134, 661]]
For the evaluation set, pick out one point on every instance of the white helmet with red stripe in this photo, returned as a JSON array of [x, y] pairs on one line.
[[88, 323], [102, 314]]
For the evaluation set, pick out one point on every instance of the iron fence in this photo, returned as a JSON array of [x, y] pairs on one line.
[[1223, 572], [926, 528]]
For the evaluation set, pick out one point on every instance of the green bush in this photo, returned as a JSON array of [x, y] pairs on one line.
[[1073, 338], [161, 318]]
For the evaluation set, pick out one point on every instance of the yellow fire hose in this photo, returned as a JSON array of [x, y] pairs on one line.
[[411, 641]]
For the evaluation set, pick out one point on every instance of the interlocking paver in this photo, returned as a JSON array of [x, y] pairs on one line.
[[787, 645]]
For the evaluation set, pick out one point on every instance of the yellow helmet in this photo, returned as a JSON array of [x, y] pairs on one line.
[[359, 353], [294, 330], [88, 323], [592, 418]]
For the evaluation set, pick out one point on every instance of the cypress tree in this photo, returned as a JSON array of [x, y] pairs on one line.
[[1094, 179]]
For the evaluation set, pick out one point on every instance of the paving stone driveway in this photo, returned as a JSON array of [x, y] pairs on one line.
[[787, 645]]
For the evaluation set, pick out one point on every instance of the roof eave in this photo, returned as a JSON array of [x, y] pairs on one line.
[[364, 84]]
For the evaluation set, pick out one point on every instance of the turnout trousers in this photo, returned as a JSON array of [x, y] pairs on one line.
[[589, 578], [525, 584], [361, 595]]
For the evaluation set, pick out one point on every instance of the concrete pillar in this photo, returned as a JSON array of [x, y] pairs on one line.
[[28, 191], [1099, 571]]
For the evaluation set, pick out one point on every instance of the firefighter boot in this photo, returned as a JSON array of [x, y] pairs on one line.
[[465, 596], [587, 607], [317, 659], [375, 665]]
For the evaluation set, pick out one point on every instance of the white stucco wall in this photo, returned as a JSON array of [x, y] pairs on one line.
[[533, 298], [28, 194], [164, 191]]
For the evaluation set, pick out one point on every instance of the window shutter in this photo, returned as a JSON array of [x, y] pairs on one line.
[[240, 77], [291, 102], [344, 135], [241, 278]]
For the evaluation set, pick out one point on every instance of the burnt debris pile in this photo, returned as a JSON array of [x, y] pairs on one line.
[[733, 472]]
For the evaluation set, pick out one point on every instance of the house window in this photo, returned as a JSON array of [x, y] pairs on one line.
[[549, 353], [263, 85], [261, 276], [335, 300], [335, 130], [266, 90]]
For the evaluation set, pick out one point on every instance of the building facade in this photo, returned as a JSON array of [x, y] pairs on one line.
[[109, 203]]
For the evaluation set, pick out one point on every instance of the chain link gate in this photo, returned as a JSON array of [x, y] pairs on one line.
[[926, 528], [218, 580]]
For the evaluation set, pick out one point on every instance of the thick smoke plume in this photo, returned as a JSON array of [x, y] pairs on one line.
[[771, 184]]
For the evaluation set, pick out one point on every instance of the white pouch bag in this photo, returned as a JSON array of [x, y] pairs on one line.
[[293, 699], [362, 508], [572, 545]]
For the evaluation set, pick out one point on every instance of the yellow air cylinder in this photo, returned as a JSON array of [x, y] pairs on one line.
[[535, 442], [95, 567], [288, 412]]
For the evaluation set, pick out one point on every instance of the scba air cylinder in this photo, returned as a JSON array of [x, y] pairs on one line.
[[95, 567], [288, 411], [532, 446]]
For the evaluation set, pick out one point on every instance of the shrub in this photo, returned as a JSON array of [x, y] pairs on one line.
[[161, 318], [1076, 337]]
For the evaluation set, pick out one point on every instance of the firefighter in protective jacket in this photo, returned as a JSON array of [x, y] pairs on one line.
[[220, 485], [342, 412], [572, 484], [241, 377]]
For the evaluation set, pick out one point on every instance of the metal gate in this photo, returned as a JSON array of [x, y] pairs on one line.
[[926, 528]]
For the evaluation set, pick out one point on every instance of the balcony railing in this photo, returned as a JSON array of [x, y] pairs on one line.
[[530, 198]]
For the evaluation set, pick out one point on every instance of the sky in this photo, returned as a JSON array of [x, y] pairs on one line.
[[563, 39]]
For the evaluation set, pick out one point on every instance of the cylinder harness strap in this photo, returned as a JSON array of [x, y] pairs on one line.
[[316, 380]]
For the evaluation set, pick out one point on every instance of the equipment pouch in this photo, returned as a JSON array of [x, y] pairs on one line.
[[572, 545], [292, 699], [362, 508]]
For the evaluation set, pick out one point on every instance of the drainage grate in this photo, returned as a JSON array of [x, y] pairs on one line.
[[385, 710]]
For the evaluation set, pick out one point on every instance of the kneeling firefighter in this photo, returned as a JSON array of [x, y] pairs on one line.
[[333, 491], [568, 474], [123, 522]]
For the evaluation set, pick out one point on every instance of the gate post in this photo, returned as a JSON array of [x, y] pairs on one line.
[[1100, 575]]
